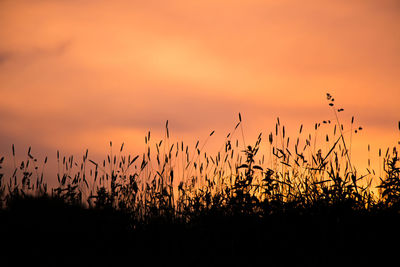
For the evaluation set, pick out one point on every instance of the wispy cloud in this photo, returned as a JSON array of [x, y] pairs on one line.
[[32, 53]]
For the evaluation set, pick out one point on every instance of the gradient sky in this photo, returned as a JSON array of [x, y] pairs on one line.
[[76, 74]]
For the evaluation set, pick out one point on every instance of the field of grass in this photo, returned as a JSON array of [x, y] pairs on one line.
[[295, 203]]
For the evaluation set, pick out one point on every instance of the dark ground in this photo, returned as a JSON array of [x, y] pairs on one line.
[[43, 232]]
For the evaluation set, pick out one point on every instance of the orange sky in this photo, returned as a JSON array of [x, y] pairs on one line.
[[76, 74]]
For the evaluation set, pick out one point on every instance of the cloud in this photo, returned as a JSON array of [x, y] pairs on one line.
[[5, 56], [31, 54]]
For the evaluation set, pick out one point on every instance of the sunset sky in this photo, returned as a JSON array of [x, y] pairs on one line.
[[77, 74]]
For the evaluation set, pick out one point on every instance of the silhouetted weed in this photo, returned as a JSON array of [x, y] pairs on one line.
[[235, 207]]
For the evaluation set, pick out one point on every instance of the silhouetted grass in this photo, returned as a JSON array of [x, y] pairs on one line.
[[298, 204]]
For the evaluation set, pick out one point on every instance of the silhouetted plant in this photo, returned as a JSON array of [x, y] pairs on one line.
[[244, 199], [179, 184], [390, 184]]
